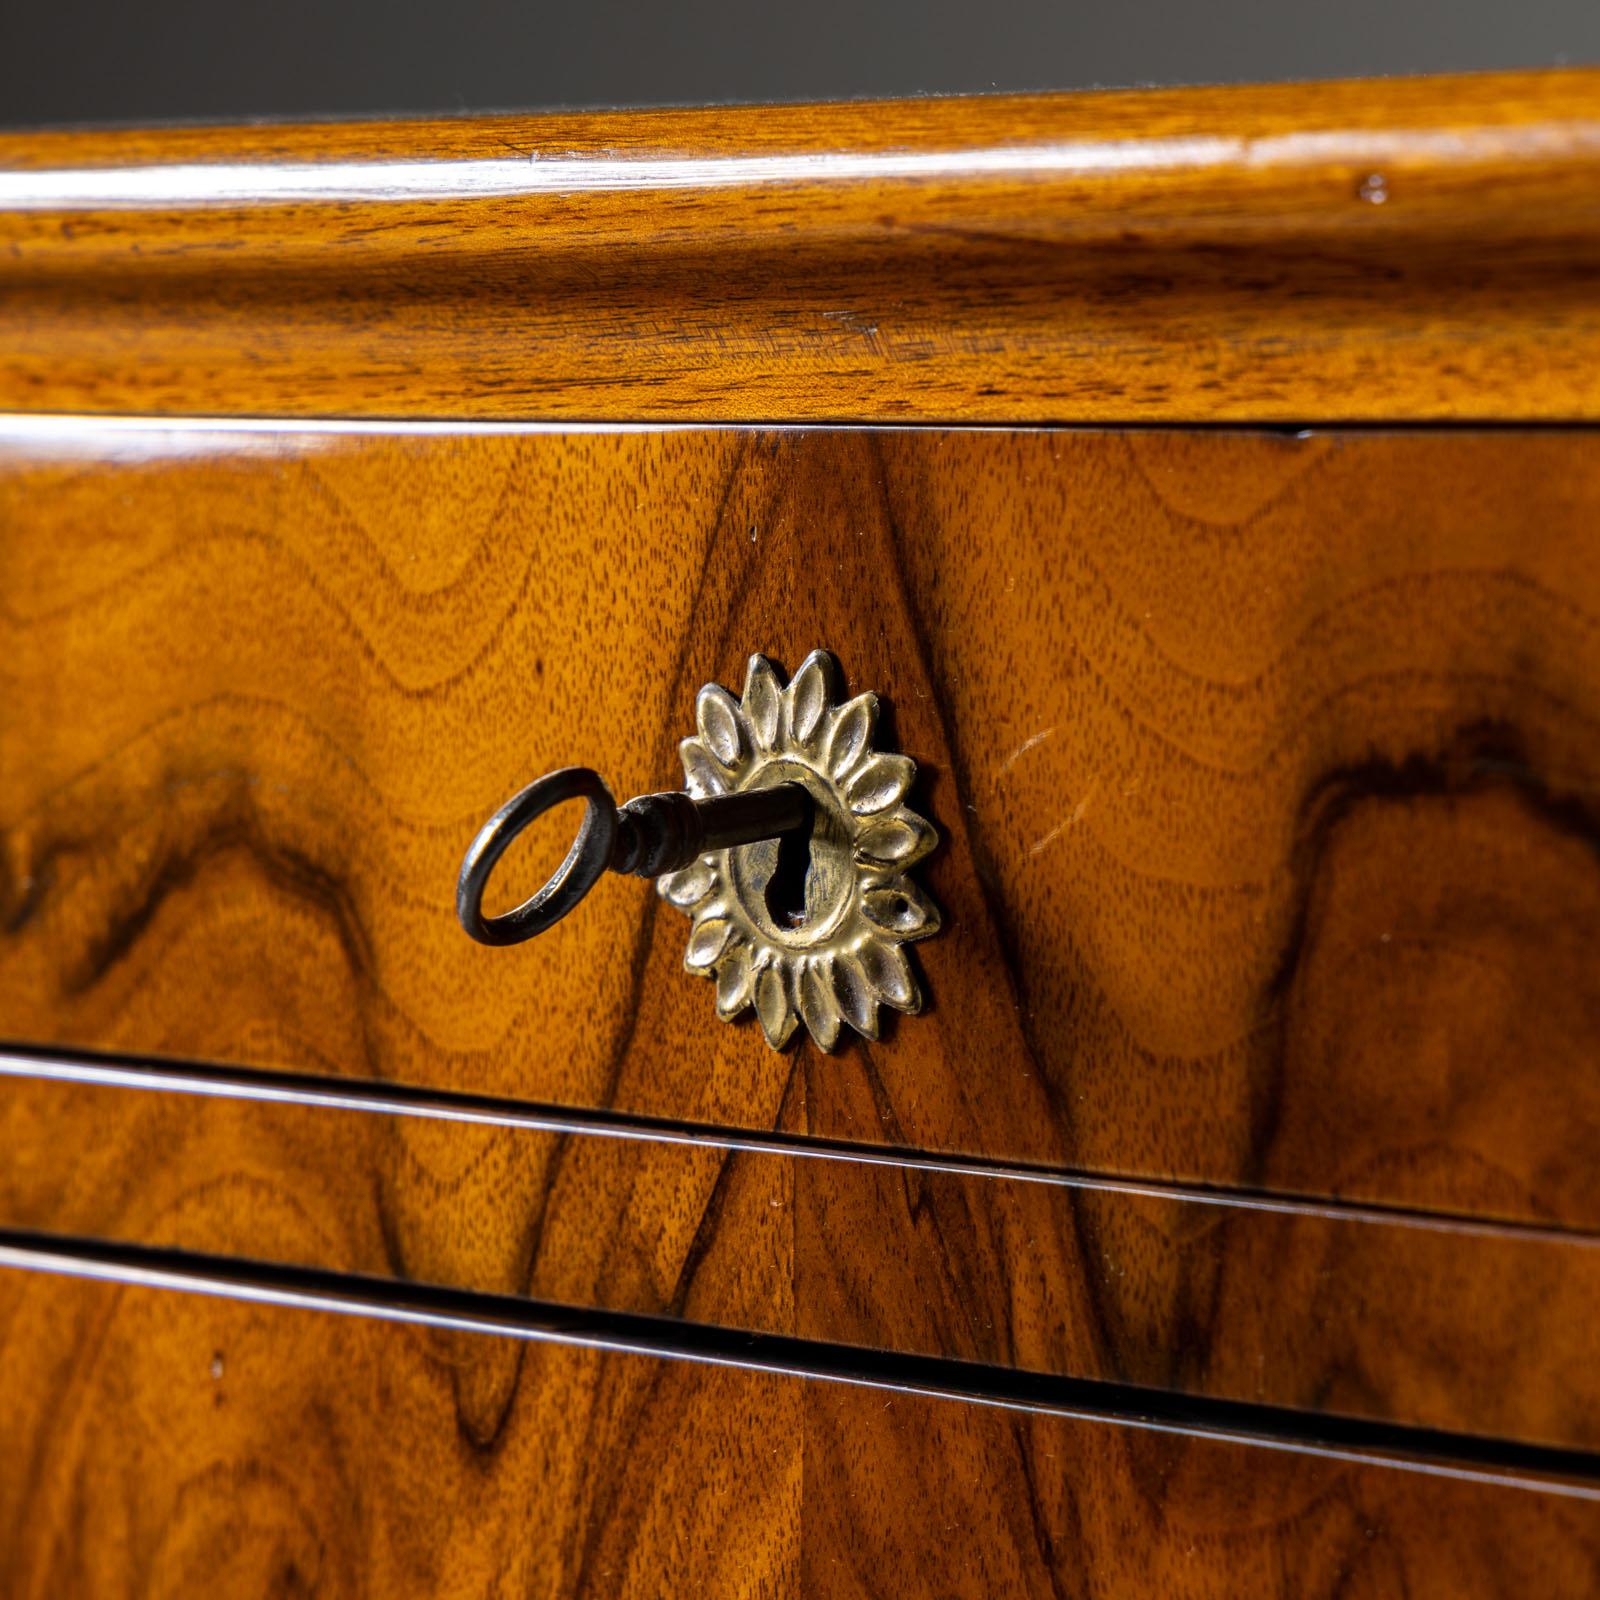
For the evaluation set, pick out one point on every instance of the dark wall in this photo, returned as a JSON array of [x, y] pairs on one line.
[[105, 61]]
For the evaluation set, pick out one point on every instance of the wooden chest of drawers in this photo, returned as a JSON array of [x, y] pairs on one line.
[[1206, 486]]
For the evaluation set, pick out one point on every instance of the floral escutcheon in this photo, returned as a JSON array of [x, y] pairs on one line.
[[825, 949]]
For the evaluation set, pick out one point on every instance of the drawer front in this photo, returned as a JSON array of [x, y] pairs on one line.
[[1263, 764]]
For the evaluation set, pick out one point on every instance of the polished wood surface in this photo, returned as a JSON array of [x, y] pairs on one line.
[[1399, 249], [1264, 764], [1486, 1331], [281, 1450], [1226, 1226]]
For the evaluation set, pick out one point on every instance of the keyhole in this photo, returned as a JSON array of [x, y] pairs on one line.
[[786, 888]]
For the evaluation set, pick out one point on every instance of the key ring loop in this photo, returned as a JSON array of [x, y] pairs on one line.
[[588, 858]]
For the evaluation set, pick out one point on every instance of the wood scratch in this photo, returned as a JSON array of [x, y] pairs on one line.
[[1017, 754], [1071, 820]]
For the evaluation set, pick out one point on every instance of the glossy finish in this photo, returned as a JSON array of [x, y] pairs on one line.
[[1265, 768], [1479, 1329], [1400, 249], [286, 1449], [1226, 1226]]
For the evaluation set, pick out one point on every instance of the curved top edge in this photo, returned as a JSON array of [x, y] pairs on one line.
[[1392, 250], [1156, 118]]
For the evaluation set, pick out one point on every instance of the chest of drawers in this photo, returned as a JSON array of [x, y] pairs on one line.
[[1205, 484]]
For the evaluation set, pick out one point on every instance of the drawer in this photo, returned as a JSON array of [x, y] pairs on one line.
[[1263, 766]]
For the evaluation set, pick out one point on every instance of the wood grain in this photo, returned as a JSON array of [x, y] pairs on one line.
[[162, 1444], [1394, 1319], [1399, 249], [1265, 765]]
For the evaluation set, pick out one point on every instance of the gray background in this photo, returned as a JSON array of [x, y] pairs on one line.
[[64, 61]]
